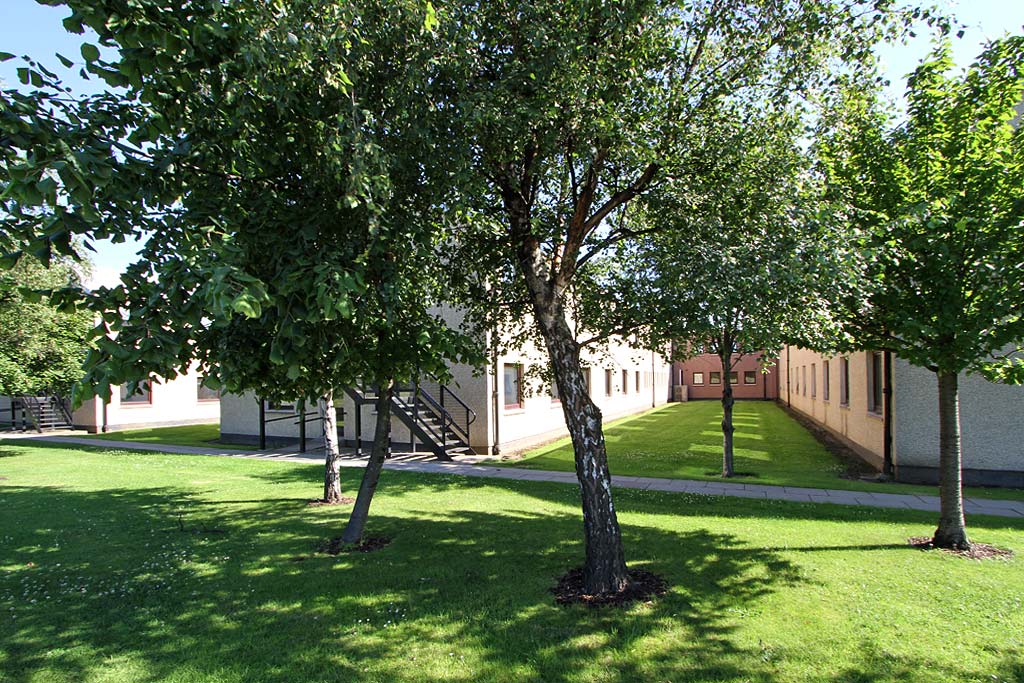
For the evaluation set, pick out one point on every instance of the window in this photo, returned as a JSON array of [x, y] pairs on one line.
[[714, 378], [513, 378], [875, 382], [608, 382], [803, 380], [555, 397], [638, 381], [796, 380], [844, 381], [698, 378], [586, 380], [280, 406], [734, 378], [749, 377], [205, 393], [625, 381], [814, 380], [824, 381], [142, 395]]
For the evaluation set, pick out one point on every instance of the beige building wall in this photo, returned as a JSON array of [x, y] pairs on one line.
[[802, 387], [172, 402], [495, 428]]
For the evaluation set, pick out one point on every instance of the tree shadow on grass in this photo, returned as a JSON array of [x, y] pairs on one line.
[[104, 575], [115, 582]]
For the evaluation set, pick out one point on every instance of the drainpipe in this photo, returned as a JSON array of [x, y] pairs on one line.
[[789, 376], [654, 383], [888, 468], [495, 447]]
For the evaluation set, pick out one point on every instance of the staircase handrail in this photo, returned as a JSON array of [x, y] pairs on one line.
[[32, 407]]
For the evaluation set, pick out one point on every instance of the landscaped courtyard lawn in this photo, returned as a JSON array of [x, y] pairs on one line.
[[201, 435], [684, 441], [120, 567]]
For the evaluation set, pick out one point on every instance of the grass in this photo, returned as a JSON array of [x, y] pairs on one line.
[[99, 583], [200, 435], [684, 441]]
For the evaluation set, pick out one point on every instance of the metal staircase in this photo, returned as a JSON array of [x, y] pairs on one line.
[[435, 415], [42, 413]]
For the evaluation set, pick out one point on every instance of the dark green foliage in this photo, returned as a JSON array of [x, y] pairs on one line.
[[289, 178]]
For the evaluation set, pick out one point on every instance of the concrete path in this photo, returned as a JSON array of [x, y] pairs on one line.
[[425, 462]]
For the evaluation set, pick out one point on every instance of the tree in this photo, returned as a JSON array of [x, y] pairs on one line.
[[570, 112], [938, 200], [280, 162], [736, 263], [41, 347]]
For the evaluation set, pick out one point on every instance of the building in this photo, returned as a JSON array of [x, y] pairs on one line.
[[848, 396], [508, 408], [180, 401], [700, 377]]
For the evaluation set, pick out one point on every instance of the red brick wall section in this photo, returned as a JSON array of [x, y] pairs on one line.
[[764, 386]]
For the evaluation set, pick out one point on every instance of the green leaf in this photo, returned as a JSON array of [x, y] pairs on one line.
[[90, 52], [5, 56], [430, 19]]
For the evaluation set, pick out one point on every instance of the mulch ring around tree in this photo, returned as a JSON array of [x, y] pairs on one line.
[[336, 546], [642, 587], [320, 502], [978, 551]]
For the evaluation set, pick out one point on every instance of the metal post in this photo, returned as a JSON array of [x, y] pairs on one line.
[[359, 426], [415, 414], [263, 424], [444, 422], [302, 425]]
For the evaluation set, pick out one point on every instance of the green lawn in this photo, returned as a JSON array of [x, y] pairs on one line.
[[202, 435], [98, 583], [684, 441]]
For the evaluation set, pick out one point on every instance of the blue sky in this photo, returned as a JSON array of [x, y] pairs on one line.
[[36, 30]]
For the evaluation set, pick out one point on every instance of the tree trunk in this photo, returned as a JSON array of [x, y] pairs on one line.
[[952, 531], [727, 428], [605, 568], [547, 282], [329, 421], [371, 475]]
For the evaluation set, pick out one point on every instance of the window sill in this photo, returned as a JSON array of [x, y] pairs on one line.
[[515, 411], [876, 416]]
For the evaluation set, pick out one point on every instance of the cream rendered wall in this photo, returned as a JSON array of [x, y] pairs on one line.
[[540, 419], [990, 421], [173, 402], [861, 429]]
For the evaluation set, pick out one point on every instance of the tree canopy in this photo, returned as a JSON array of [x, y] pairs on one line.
[[937, 200]]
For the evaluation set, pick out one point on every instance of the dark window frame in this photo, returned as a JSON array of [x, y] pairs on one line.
[[876, 394], [518, 367], [144, 390]]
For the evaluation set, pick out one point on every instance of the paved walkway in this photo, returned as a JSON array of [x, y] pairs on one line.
[[423, 462]]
